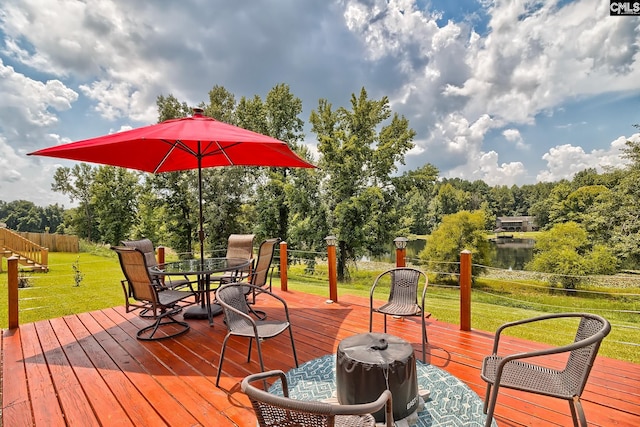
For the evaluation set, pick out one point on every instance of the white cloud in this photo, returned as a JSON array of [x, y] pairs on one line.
[[514, 136], [26, 102], [534, 59], [564, 161]]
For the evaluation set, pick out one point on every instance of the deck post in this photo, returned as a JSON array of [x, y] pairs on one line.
[[401, 251], [12, 270], [283, 267], [161, 260], [465, 290], [44, 258], [332, 267]]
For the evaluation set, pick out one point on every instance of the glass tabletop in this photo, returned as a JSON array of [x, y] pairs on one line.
[[197, 266]]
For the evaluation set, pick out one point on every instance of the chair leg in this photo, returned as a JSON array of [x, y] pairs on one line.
[[250, 343], [385, 323], [370, 320], [258, 347], [224, 347], [425, 339], [577, 413], [162, 320], [492, 402], [293, 346], [487, 395]]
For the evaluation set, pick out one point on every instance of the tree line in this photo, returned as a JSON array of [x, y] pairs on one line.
[[355, 193]]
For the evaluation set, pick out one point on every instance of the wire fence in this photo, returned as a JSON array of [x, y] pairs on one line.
[[615, 297]]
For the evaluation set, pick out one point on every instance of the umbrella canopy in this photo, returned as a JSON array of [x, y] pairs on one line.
[[180, 144]]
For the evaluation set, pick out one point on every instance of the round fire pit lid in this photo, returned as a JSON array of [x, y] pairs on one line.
[[375, 348]]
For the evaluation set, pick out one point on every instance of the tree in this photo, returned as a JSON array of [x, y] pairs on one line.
[[278, 117], [114, 192], [22, 215], [76, 183], [565, 250], [502, 200], [457, 232], [447, 200], [414, 192], [359, 153]]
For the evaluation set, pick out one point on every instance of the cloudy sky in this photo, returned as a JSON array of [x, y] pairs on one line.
[[510, 92]]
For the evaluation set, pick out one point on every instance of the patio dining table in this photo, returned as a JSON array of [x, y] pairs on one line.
[[203, 269], [450, 402]]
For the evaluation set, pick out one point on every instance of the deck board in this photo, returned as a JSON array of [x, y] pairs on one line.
[[89, 369]]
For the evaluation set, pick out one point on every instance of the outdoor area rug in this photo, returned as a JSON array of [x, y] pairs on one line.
[[450, 402]]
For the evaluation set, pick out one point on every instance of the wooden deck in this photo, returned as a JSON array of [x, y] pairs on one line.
[[90, 370]]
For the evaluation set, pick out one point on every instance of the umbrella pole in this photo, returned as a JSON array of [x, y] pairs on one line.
[[201, 231]]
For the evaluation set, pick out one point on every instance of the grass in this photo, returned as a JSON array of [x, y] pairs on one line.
[[494, 302]]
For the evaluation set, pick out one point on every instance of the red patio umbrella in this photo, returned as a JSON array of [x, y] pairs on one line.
[[181, 144]]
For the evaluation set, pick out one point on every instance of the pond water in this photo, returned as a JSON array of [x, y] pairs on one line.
[[509, 253]]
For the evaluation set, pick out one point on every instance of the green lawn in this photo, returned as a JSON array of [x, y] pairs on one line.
[[55, 294]]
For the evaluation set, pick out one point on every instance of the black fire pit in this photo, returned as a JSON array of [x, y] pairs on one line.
[[367, 364]]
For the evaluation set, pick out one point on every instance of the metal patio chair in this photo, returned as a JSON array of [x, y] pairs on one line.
[[403, 285], [528, 371], [236, 310], [149, 251], [274, 410], [261, 274], [239, 246], [144, 289]]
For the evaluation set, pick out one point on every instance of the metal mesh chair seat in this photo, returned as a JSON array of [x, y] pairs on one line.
[[400, 309], [403, 283], [233, 300], [275, 410], [529, 377], [266, 329], [517, 371]]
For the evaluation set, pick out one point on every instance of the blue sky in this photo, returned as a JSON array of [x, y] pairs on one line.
[[510, 92]]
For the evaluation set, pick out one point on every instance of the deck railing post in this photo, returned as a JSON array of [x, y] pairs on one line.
[[44, 261], [465, 290], [332, 267], [283, 267], [12, 270], [161, 259], [401, 251]]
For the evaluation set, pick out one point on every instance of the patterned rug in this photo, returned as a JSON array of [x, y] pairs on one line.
[[450, 403]]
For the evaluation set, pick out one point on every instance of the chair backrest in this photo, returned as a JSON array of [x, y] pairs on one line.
[[404, 284], [136, 271], [232, 296], [274, 410], [240, 246], [260, 271], [146, 247], [592, 329]]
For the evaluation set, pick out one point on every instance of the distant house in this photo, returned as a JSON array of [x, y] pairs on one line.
[[516, 223]]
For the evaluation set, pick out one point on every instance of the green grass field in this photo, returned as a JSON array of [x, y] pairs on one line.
[[55, 294]]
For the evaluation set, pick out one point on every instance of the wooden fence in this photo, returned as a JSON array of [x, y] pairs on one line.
[[54, 242]]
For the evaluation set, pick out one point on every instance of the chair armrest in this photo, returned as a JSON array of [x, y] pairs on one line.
[[530, 320], [260, 290], [593, 339], [424, 291], [261, 376]]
